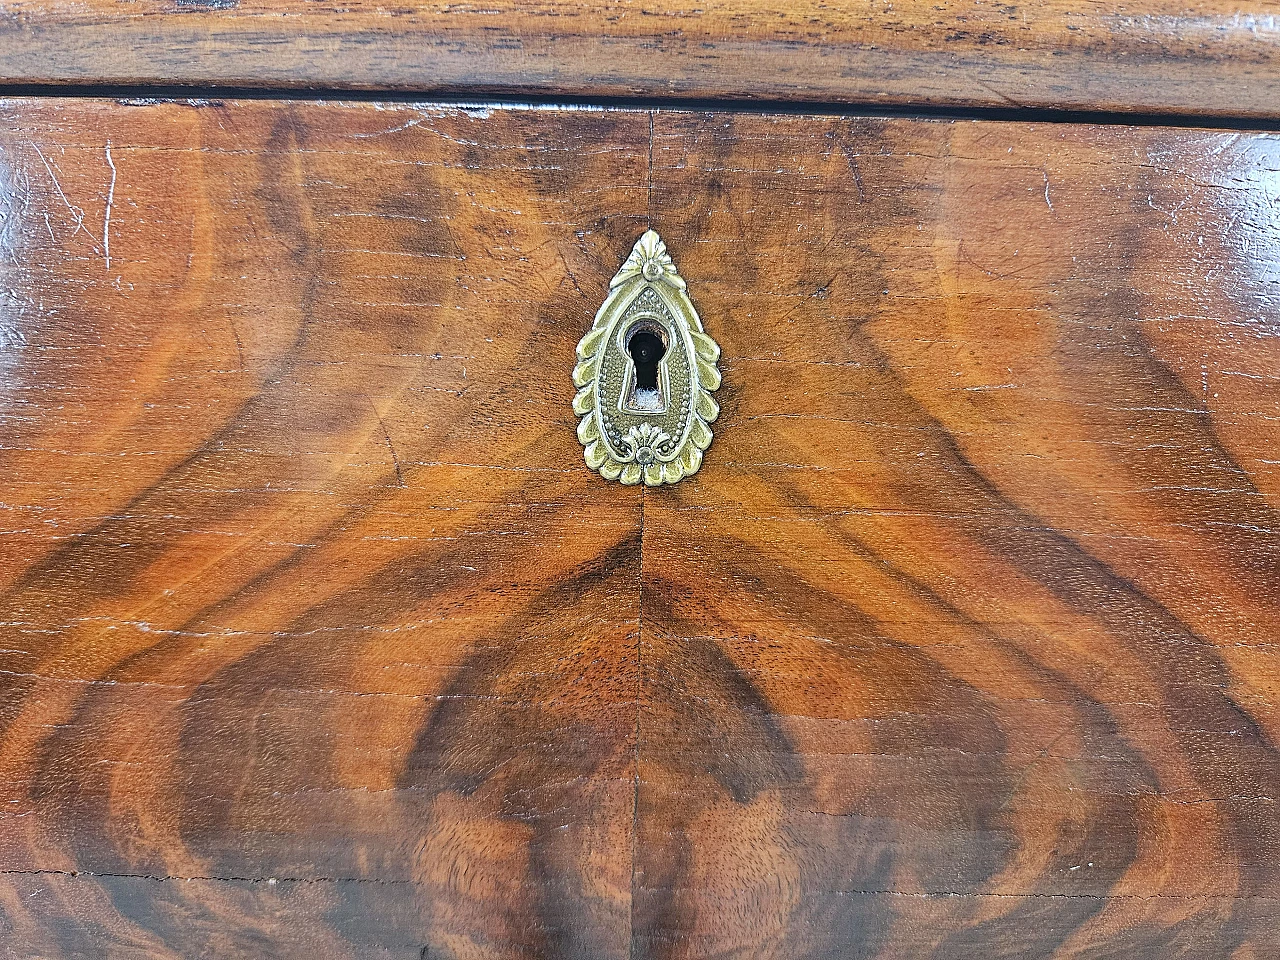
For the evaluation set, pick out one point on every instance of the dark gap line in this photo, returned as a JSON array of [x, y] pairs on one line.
[[479, 98]]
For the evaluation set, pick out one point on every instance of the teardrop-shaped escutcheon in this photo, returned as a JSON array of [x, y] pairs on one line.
[[645, 374]]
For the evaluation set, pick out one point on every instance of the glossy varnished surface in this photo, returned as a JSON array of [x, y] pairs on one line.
[[319, 640], [1202, 57]]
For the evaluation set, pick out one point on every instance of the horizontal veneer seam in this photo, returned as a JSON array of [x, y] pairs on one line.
[[480, 103]]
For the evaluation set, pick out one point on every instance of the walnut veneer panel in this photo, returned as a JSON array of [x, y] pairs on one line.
[[1166, 56], [317, 638]]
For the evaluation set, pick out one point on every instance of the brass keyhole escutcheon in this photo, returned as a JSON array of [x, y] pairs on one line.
[[645, 374]]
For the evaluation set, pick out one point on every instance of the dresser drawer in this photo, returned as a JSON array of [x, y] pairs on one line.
[[320, 639]]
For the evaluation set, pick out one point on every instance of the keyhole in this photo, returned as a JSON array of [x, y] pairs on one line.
[[646, 349]]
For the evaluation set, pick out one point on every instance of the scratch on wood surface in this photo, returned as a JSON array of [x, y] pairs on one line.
[[852, 160], [106, 217], [77, 214], [386, 435]]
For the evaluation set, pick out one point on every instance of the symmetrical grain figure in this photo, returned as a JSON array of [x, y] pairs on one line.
[[318, 639]]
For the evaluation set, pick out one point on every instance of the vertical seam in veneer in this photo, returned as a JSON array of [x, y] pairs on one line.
[[635, 792], [649, 196]]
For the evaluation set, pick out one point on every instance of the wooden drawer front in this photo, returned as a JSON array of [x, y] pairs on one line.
[[319, 640]]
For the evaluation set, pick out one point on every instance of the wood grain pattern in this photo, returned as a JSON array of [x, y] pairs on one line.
[[1191, 57], [318, 639]]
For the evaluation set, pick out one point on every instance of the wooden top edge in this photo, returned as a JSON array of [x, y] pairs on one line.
[[1180, 59]]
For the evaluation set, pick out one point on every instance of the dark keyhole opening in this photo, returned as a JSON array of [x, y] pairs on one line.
[[646, 349]]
